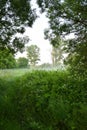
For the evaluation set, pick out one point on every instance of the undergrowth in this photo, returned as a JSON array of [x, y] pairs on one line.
[[43, 100]]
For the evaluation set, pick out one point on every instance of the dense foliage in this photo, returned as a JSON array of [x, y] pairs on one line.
[[43, 100], [22, 62], [7, 60], [33, 54], [15, 15], [69, 17], [66, 17]]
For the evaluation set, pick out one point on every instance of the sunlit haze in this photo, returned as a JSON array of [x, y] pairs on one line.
[[36, 36]]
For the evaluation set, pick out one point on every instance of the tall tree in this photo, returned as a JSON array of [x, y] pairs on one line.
[[57, 55], [33, 54], [66, 17], [15, 15], [57, 50]]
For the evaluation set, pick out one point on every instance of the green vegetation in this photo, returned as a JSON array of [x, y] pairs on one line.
[[68, 17], [12, 73], [43, 100], [7, 60], [22, 62], [33, 54], [15, 15]]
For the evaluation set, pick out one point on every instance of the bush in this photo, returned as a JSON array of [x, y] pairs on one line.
[[22, 62], [45, 100]]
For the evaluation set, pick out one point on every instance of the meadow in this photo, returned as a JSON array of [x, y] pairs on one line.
[[42, 100], [12, 73]]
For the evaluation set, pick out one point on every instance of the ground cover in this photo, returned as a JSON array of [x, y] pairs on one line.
[[42, 100]]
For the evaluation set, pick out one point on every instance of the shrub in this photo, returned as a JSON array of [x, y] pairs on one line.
[[45, 100]]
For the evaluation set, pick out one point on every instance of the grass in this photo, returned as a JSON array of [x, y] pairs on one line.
[[15, 73], [12, 73]]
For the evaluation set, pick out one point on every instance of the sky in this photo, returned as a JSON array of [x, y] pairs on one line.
[[36, 36]]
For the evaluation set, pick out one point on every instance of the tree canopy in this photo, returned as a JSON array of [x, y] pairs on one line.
[[7, 60], [67, 17], [33, 54], [15, 15]]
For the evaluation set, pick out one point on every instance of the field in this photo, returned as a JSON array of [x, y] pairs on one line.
[[12, 73], [42, 100]]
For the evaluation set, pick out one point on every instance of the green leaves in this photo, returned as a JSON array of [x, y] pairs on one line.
[[69, 17], [14, 16], [7, 60], [33, 53], [43, 100], [22, 62]]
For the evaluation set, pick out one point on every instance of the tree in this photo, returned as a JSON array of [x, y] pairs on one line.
[[57, 50], [57, 55], [66, 17], [22, 62], [45, 66], [33, 54], [57, 47], [78, 61], [15, 15], [7, 60]]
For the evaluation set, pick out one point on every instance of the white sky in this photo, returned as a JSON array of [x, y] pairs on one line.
[[36, 36]]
